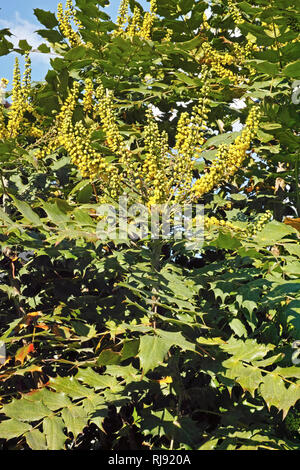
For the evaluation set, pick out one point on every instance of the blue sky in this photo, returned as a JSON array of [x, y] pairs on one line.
[[18, 16]]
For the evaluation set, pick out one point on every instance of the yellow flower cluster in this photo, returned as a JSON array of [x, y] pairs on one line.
[[155, 173], [105, 109], [2, 126], [219, 61], [27, 77], [65, 18], [211, 222], [17, 124], [148, 22], [235, 12], [229, 158], [3, 84], [76, 140], [135, 22], [205, 23], [114, 140], [62, 125], [156, 163], [122, 15], [189, 139], [168, 36], [136, 25], [36, 132], [263, 219], [243, 52], [18, 106], [20, 100]]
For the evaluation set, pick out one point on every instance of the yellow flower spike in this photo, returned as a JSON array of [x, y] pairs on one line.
[[3, 131], [76, 140], [65, 17], [18, 106], [27, 76], [168, 36], [213, 222], [205, 23], [108, 118], [235, 12], [229, 158], [155, 168], [259, 224], [148, 21], [189, 139], [135, 23], [122, 16], [219, 61], [88, 96], [4, 82], [17, 123]]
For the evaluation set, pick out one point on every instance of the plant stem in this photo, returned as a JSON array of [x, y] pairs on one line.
[[155, 261]]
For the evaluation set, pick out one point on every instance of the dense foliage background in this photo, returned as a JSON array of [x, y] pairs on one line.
[[143, 345]]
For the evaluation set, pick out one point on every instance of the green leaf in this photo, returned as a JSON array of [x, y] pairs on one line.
[[23, 44], [176, 339], [237, 326], [152, 352], [209, 445], [272, 232], [292, 69], [55, 214], [76, 53], [12, 428], [75, 419], [275, 393], [5, 218], [36, 440], [226, 139], [248, 350], [27, 212], [264, 66], [107, 356], [47, 18], [53, 400], [130, 349], [51, 35], [96, 380], [70, 386], [44, 49], [286, 372], [248, 377], [25, 410], [53, 429], [85, 193]]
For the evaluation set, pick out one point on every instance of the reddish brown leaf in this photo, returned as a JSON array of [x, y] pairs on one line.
[[293, 222], [22, 353]]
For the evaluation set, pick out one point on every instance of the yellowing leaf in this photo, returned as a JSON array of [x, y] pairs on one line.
[[166, 380], [22, 353], [293, 222]]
